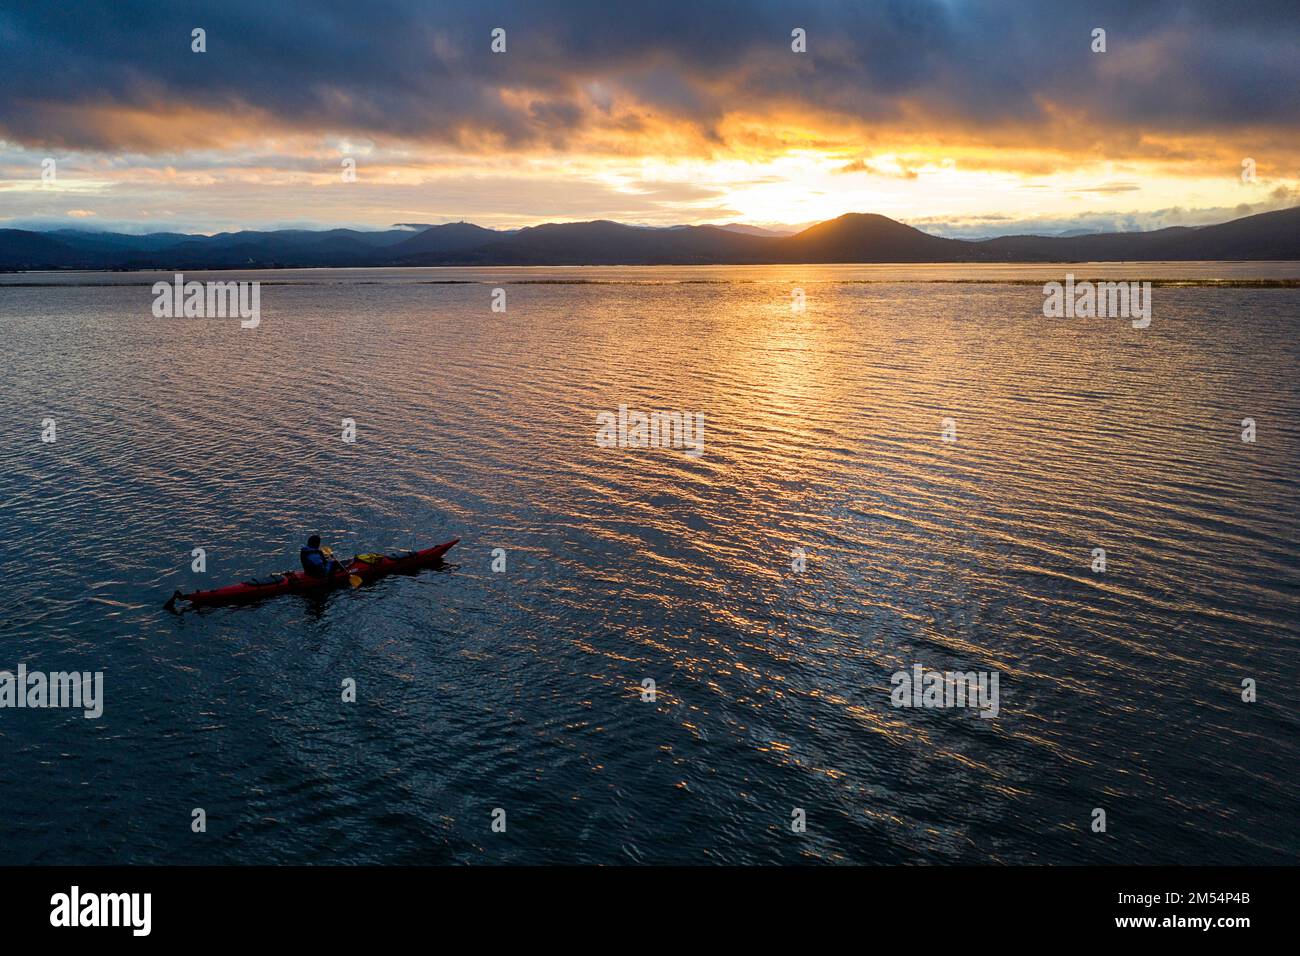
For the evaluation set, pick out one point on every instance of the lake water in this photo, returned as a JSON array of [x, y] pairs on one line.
[[522, 690]]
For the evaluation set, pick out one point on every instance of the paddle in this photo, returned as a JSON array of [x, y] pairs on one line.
[[353, 579]]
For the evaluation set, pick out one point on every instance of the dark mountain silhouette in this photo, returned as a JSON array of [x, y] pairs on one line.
[[854, 237], [440, 240], [20, 249], [117, 240], [860, 237], [609, 243], [1269, 235], [751, 230]]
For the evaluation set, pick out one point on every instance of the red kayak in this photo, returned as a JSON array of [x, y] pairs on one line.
[[367, 567]]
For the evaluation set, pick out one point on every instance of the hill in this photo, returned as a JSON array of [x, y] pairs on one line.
[[853, 237]]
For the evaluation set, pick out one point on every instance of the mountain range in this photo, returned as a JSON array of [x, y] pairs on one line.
[[851, 238]]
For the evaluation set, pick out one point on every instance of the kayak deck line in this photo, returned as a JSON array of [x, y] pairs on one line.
[[298, 582]]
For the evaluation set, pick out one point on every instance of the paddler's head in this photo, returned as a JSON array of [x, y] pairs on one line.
[[313, 541]]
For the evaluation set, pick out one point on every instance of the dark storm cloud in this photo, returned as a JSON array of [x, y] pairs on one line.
[[387, 68]]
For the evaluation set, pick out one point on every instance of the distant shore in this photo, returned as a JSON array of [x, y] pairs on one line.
[[853, 238]]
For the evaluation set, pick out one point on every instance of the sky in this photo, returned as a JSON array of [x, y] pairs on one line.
[[961, 118]]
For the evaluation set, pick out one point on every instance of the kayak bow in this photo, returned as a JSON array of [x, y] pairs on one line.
[[367, 568]]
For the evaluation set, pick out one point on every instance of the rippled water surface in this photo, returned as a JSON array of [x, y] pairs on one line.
[[523, 690]]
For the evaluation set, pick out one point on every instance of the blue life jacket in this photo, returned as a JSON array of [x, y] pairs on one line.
[[313, 562]]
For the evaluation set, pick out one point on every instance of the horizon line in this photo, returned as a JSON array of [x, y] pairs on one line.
[[777, 231]]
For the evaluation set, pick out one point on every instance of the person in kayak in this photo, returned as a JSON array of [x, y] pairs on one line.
[[315, 562]]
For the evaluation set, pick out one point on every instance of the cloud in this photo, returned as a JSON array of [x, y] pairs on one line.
[[583, 74], [1107, 188], [660, 112], [867, 166]]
